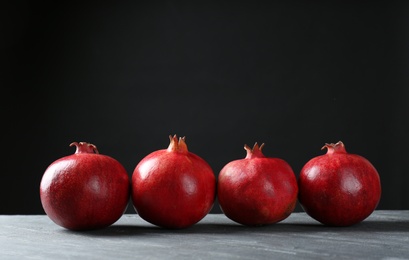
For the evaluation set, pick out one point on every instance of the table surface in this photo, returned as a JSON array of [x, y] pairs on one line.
[[383, 235]]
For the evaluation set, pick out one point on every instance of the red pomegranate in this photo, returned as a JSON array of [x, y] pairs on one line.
[[257, 190], [338, 188], [86, 190], [173, 188]]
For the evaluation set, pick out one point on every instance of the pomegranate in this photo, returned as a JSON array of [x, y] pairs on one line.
[[173, 188], [257, 190], [86, 190], [338, 188]]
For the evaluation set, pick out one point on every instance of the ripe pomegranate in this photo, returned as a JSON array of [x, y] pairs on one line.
[[86, 190], [173, 188], [257, 190], [338, 188]]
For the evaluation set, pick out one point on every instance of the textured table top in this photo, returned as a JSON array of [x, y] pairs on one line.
[[384, 235]]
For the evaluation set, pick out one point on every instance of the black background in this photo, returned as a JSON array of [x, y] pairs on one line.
[[125, 75]]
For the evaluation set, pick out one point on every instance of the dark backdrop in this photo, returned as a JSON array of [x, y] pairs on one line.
[[125, 75]]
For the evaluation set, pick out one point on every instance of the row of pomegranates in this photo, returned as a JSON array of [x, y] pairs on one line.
[[175, 188]]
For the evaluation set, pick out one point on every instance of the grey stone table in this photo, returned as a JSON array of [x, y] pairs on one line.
[[384, 235]]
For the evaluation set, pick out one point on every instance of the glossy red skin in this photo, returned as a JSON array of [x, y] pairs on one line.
[[85, 191], [339, 189], [173, 189], [257, 191]]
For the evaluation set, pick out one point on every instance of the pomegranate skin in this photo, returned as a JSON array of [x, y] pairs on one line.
[[338, 188], [173, 188], [86, 190], [257, 190]]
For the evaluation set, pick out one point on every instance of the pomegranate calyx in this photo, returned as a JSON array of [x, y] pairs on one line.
[[338, 147], [84, 147], [254, 152], [177, 144]]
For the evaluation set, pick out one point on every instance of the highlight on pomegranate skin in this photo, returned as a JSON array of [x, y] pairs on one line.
[[257, 190], [339, 188], [173, 188]]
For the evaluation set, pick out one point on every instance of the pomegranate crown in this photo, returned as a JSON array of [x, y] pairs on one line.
[[84, 147], [254, 152], [338, 147], [177, 144]]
